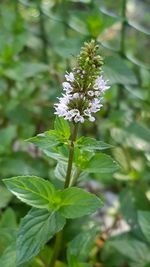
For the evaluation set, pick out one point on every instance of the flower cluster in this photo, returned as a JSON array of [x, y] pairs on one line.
[[83, 88]]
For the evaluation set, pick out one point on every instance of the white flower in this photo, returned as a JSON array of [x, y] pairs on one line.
[[90, 93], [95, 105], [79, 118], [67, 87], [91, 118], [65, 99], [69, 115], [101, 84], [97, 93], [69, 77], [87, 112], [61, 110], [76, 95]]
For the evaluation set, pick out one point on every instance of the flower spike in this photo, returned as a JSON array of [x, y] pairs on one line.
[[83, 88]]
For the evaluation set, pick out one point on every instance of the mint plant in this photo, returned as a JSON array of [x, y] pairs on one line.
[[53, 204]]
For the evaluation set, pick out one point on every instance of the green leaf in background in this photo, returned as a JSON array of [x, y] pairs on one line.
[[5, 197], [81, 245], [101, 163], [22, 163], [6, 137], [62, 127], [24, 70], [8, 258], [135, 135], [117, 70], [8, 219], [90, 144], [133, 249], [74, 262], [32, 190], [8, 235], [75, 202], [144, 222], [36, 228], [140, 131]]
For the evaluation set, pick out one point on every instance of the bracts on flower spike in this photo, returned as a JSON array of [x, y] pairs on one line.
[[83, 88]]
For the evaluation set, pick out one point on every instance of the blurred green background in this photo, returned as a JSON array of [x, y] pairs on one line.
[[39, 41]]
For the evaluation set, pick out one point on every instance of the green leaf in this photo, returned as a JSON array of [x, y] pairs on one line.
[[8, 235], [135, 135], [8, 258], [74, 262], [62, 127], [8, 219], [101, 163], [24, 70], [61, 169], [5, 197], [118, 72], [139, 130], [78, 24], [139, 27], [131, 248], [90, 144], [144, 222], [75, 202], [36, 228], [46, 140], [6, 137], [32, 190], [82, 244]]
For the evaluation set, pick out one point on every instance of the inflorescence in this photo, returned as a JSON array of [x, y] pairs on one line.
[[83, 88]]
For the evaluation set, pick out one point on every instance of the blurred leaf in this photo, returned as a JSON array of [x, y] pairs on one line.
[[8, 258], [6, 137], [74, 262], [110, 13], [144, 222], [137, 92], [138, 27], [5, 197], [22, 163], [24, 70], [140, 131], [77, 23], [8, 235], [81, 1], [132, 249], [135, 136], [117, 71], [8, 219], [81, 245]]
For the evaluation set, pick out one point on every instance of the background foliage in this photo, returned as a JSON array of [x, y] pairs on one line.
[[39, 41]]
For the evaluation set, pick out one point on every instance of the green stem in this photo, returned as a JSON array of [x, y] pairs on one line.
[[58, 240], [43, 32], [71, 154], [122, 46], [57, 248], [123, 28]]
